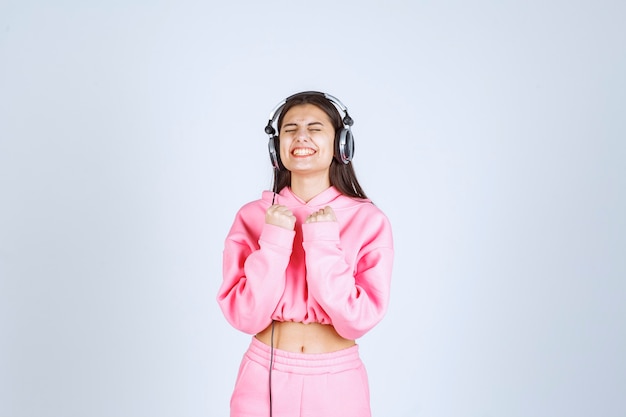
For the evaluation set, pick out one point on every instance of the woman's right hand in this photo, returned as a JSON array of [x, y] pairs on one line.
[[280, 216]]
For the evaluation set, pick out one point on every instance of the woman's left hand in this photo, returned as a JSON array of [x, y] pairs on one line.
[[324, 215]]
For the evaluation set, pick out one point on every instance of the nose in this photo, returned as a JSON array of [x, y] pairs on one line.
[[302, 133]]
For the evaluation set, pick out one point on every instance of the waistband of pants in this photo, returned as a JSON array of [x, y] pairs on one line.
[[305, 363]]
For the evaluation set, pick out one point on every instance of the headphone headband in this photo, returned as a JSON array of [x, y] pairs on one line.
[[275, 113]]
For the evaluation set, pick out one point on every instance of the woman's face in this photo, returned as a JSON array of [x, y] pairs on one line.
[[307, 139]]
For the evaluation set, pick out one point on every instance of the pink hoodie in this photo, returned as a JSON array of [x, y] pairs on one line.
[[335, 273]]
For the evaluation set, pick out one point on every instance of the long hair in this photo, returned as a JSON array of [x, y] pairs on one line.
[[342, 176]]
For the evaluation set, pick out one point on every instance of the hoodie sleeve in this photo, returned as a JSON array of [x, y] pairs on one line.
[[253, 274], [355, 297]]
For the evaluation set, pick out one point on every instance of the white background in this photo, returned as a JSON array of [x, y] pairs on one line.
[[492, 133]]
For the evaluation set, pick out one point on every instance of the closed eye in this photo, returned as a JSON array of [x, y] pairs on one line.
[[312, 127]]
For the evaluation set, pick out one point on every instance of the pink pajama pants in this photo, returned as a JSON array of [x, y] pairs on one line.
[[303, 385]]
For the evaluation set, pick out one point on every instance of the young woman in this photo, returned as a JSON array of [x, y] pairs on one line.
[[307, 271]]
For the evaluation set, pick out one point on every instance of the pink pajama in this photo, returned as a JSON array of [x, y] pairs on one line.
[[303, 385]]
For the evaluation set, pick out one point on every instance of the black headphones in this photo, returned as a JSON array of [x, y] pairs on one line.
[[344, 141]]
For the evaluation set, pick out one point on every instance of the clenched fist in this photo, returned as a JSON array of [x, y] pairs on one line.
[[280, 216], [324, 215]]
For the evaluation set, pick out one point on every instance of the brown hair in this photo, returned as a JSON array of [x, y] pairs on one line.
[[342, 175]]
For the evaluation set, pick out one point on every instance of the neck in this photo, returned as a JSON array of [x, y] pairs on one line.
[[308, 187]]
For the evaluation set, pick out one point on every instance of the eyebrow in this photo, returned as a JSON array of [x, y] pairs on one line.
[[310, 124]]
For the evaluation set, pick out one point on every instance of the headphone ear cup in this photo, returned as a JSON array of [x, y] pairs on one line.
[[345, 145], [273, 146]]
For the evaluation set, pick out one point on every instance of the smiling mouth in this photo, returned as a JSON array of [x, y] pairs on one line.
[[303, 151]]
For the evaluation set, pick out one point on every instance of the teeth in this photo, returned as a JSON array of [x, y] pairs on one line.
[[303, 151]]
